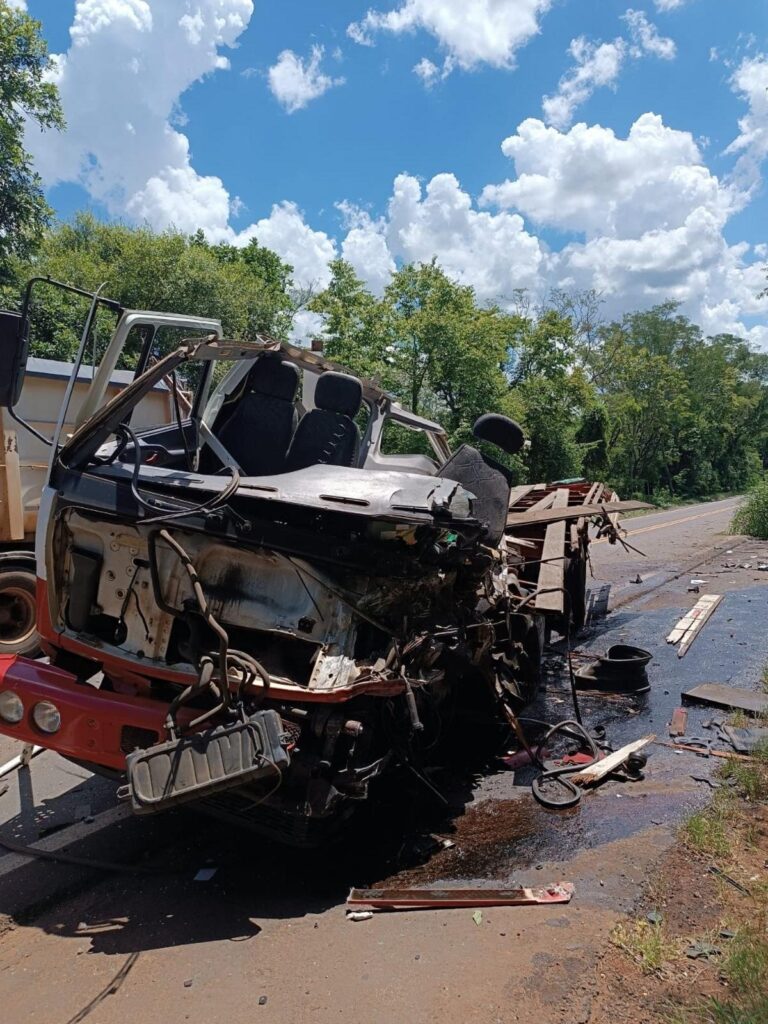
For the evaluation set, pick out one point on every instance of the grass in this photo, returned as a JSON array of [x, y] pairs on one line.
[[648, 944], [709, 831], [752, 516], [750, 777]]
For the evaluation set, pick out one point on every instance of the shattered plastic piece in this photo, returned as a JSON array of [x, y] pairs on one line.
[[359, 915], [477, 917], [205, 874], [654, 917], [702, 951]]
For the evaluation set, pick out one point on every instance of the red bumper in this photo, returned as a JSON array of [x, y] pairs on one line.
[[96, 725]]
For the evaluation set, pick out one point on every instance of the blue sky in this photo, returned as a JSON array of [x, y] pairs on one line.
[[663, 210]]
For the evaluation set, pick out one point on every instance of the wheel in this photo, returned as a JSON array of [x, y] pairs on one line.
[[18, 613]]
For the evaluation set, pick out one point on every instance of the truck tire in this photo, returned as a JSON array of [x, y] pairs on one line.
[[18, 612]]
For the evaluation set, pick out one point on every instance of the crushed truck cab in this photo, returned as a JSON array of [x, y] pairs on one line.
[[266, 604]]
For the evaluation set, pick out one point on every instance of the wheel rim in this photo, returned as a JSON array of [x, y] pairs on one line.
[[17, 615]]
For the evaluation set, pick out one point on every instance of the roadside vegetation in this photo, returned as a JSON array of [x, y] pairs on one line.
[[704, 938], [752, 517]]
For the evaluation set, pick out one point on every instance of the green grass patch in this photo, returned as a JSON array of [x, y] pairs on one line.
[[752, 516], [750, 777], [647, 944], [708, 831]]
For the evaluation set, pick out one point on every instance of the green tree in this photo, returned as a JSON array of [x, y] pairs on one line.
[[246, 289], [25, 96]]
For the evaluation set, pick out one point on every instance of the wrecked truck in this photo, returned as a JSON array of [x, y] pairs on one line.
[[264, 606]]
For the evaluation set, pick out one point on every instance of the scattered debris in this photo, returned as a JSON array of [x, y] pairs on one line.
[[745, 740], [620, 670], [713, 870], [702, 950], [596, 772], [688, 628], [20, 760], [205, 874], [477, 917], [637, 579], [702, 749], [654, 917], [679, 722], [728, 697], [415, 899], [359, 915]]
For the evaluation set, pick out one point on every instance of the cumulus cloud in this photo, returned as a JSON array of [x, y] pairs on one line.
[[120, 81], [598, 65], [646, 37], [595, 66], [295, 82], [750, 81], [669, 5], [17, 5], [471, 32]]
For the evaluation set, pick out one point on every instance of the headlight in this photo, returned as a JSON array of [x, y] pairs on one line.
[[46, 716], [11, 707]]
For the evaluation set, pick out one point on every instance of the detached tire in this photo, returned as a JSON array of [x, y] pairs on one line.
[[18, 613]]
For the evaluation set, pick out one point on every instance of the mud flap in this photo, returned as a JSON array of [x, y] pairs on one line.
[[201, 764]]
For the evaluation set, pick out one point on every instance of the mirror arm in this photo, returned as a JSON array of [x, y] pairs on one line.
[[29, 427]]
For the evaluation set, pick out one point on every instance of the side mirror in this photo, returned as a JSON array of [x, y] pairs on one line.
[[14, 349], [501, 431]]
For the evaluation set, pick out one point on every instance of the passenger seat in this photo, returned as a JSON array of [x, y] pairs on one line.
[[259, 431], [328, 434]]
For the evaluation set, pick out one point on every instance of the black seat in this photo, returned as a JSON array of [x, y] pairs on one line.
[[328, 434], [259, 431]]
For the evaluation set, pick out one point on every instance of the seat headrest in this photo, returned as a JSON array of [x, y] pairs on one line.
[[339, 392], [271, 376]]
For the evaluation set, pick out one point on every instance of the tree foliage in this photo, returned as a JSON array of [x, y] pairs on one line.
[[646, 402], [25, 96]]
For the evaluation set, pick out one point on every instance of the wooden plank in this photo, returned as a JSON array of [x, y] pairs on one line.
[[518, 493], [703, 751], [595, 772], [546, 502], [723, 696], [689, 627], [393, 899], [552, 574], [554, 515]]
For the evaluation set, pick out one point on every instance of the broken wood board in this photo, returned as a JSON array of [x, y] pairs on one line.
[[723, 696], [595, 772], [702, 751], [689, 627], [679, 722], [546, 502], [415, 899], [554, 515], [518, 493], [552, 568]]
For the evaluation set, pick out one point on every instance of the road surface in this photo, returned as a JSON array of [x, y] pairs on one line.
[[266, 938]]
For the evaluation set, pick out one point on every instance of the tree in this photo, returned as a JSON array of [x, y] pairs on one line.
[[25, 97], [246, 289]]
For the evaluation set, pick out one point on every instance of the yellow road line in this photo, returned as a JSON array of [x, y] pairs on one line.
[[671, 522]]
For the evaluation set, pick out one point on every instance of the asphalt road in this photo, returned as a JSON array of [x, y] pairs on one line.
[[266, 937]]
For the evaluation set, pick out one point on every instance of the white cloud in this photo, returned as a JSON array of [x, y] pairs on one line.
[[646, 37], [295, 82], [596, 65], [669, 5], [17, 5], [365, 246], [471, 32], [750, 81], [308, 251]]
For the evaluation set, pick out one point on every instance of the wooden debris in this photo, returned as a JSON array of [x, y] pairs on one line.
[[723, 696], [552, 573], [553, 515], [703, 751], [688, 628], [596, 772], [415, 899], [679, 722]]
